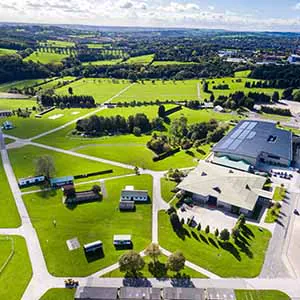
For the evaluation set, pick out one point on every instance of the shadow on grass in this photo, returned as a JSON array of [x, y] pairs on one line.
[[203, 238], [138, 281], [182, 233], [244, 248], [46, 193], [213, 242], [195, 236], [95, 255], [182, 280], [247, 232], [227, 246], [158, 270]]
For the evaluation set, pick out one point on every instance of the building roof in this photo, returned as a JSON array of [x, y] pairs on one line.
[[122, 237], [61, 179], [139, 293], [183, 294], [96, 293], [127, 204], [226, 162], [234, 187], [251, 138]]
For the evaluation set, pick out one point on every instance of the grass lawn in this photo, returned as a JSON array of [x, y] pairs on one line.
[[14, 104], [56, 43], [53, 84], [4, 87], [46, 57], [140, 60], [279, 193], [101, 89], [275, 117], [23, 161], [242, 74], [96, 46], [166, 189], [17, 271], [59, 294], [4, 51], [8, 141], [260, 295], [9, 216], [29, 127], [171, 62], [234, 86], [223, 259], [160, 272], [88, 222], [103, 62], [167, 90]]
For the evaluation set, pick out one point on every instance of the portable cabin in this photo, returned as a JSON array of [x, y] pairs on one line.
[[23, 182], [61, 181], [122, 240], [93, 247]]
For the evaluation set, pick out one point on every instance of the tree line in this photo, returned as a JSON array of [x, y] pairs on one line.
[[67, 101]]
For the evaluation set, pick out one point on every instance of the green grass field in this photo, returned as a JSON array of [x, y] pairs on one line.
[[23, 162], [167, 90], [4, 87], [14, 104], [9, 216], [29, 127], [260, 295], [56, 43], [225, 260], [171, 62], [4, 51], [162, 271], [46, 58], [96, 46], [8, 141], [166, 189], [234, 87], [59, 294], [101, 89], [53, 84], [17, 274], [242, 74], [88, 222], [279, 193], [103, 62], [140, 60]]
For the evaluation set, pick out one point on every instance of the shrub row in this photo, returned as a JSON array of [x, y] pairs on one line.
[[166, 154]]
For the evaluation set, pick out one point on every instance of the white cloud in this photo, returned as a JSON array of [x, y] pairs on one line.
[[297, 6]]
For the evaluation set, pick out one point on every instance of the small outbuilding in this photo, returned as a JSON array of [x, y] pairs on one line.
[[7, 125], [122, 241], [93, 247], [24, 182], [127, 205], [129, 193], [5, 113], [61, 181]]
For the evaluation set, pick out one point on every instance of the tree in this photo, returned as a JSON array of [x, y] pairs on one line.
[[199, 226], [297, 96], [153, 252], [241, 220], [131, 262], [235, 232], [224, 235], [45, 166], [161, 111], [275, 97], [176, 261], [207, 229], [136, 131], [216, 232], [288, 94], [174, 219]]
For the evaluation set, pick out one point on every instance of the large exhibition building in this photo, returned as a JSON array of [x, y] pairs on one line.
[[254, 142]]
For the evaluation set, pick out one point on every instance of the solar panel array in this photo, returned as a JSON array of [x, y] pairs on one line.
[[245, 131]]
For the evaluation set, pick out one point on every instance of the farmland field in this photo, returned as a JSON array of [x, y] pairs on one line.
[[88, 222], [97, 46], [140, 60], [242, 74], [46, 58], [234, 86], [167, 90], [53, 84], [101, 89], [103, 62], [56, 43], [4, 51], [11, 104], [18, 269], [4, 87]]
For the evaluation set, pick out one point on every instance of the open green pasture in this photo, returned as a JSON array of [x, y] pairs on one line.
[[53, 84], [23, 162], [161, 270], [88, 222], [103, 62], [140, 60], [260, 295], [14, 104], [101, 89], [46, 57], [242, 259], [4, 87], [57, 43], [9, 216], [161, 90], [4, 51], [59, 294], [17, 274], [29, 127], [242, 74], [234, 86]]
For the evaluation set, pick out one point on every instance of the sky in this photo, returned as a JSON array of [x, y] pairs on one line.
[[253, 15]]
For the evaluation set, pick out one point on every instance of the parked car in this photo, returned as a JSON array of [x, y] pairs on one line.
[[296, 212]]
